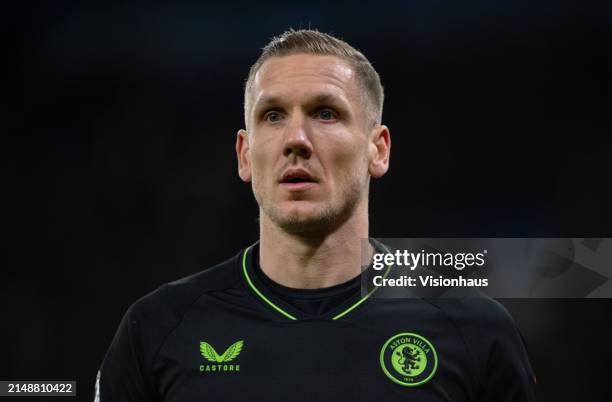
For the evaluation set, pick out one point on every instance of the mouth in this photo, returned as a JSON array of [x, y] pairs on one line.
[[297, 179]]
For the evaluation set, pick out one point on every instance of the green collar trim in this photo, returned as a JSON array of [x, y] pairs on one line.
[[290, 316], [367, 296], [257, 292]]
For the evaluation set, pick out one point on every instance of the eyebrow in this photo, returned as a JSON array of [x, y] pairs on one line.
[[326, 98], [267, 101]]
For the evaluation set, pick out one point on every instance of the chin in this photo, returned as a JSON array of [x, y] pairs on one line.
[[301, 215], [299, 219]]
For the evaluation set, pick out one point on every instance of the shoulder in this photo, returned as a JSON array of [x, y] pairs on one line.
[[148, 321], [174, 298], [491, 336], [475, 314]]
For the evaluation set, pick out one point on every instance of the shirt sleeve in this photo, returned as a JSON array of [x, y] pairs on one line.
[[501, 363], [123, 375], [508, 376]]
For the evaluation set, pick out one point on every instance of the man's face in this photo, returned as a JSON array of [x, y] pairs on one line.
[[310, 148]]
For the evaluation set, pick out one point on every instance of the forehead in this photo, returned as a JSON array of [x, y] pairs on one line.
[[293, 75]]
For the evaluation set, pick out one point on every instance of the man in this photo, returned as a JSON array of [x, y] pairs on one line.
[[284, 320]]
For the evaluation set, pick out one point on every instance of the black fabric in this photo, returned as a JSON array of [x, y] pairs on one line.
[[310, 302], [162, 349]]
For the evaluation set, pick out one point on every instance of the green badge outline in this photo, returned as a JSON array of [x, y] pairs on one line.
[[395, 380]]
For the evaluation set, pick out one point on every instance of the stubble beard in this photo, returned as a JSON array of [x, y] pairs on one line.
[[327, 217]]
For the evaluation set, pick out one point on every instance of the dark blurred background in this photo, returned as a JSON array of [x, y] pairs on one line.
[[125, 175]]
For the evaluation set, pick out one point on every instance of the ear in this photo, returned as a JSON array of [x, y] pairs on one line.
[[379, 151], [243, 155]]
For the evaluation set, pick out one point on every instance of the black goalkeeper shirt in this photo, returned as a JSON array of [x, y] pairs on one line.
[[228, 334], [309, 302]]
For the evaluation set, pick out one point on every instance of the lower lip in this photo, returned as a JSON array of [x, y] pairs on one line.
[[298, 186]]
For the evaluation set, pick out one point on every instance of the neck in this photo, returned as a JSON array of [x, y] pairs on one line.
[[313, 260]]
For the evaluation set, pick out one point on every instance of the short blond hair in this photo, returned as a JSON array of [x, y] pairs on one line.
[[309, 41]]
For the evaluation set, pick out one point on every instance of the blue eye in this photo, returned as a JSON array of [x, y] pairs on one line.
[[326, 114], [272, 117]]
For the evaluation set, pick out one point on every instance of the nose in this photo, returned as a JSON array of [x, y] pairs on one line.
[[297, 141]]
